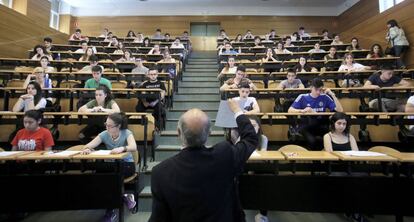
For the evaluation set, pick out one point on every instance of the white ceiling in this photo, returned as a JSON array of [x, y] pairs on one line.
[[207, 7]]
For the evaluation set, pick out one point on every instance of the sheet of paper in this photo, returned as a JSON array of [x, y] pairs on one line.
[[65, 153], [102, 152], [255, 154], [362, 153], [9, 153], [225, 117]]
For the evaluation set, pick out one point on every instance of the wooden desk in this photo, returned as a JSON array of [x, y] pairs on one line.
[[403, 157], [15, 156], [92, 156], [310, 156], [344, 157], [267, 155], [44, 155]]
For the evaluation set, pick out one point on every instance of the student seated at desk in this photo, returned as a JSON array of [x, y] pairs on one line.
[[33, 137], [267, 39], [87, 55], [108, 38], [229, 68], [288, 42], [44, 64], [257, 42], [167, 37], [316, 48], [158, 35], [119, 139], [139, 67], [250, 105], [177, 44], [222, 35], [40, 77], [155, 50], [146, 42], [290, 83], [354, 45], [228, 50], [93, 61], [32, 100], [47, 43], [239, 38], [302, 34], [113, 41], [349, 65], [97, 79], [139, 38], [119, 48], [84, 47], [295, 36], [131, 34], [332, 55], [240, 77], [167, 57], [127, 57], [318, 100], [336, 40], [248, 35], [78, 36], [272, 34], [325, 35], [280, 49], [375, 52], [152, 103], [339, 138], [105, 33], [263, 140], [386, 78], [303, 66], [103, 102], [40, 51], [269, 57]]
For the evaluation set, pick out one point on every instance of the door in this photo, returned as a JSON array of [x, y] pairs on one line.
[[204, 35]]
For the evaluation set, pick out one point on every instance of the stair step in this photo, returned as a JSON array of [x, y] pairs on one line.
[[204, 66], [179, 97], [185, 84], [199, 79], [145, 200], [203, 74], [187, 69], [199, 105], [195, 90], [202, 62], [151, 165]]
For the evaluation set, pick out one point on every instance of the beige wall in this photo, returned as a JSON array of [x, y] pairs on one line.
[[38, 10]]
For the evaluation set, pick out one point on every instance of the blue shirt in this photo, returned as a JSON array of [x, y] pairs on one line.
[[318, 104], [122, 141]]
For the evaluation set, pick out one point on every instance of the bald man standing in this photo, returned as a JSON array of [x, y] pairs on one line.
[[198, 184]]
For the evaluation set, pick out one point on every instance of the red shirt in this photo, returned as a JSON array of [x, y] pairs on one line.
[[38, 140]]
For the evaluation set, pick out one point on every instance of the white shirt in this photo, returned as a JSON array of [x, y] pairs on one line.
[[411, 102], [246, 104], [354, 67]]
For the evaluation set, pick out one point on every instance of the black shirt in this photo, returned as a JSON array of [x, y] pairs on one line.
[[152, 85], [376, 80]]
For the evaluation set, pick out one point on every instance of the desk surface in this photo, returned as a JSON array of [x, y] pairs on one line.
[[100, 157], [403, 157], [309, 155], [365, 158], [267, 155], [14, 156], [45, 155]]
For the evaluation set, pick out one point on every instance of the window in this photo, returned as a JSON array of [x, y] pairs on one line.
[[54, 14], [8, 3], [387, 4]]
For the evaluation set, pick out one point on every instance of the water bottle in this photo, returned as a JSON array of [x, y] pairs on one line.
[[58, 56]]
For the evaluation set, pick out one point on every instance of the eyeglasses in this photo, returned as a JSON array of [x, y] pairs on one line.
[[109, 126]]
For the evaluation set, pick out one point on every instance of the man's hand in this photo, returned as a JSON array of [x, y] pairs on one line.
[[308, 110], [234, 105]]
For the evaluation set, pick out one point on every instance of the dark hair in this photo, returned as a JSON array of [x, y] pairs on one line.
[[133, 33], [40, 46], [332, 46], [119, 119], [301, 28], [177, 38], [337, 116], [93, 58], [298, 67], [325, 30], [380, 53], [107, 91], [38, 95], [127, 50], [291, 70], [280, 42], [349, 54], [167, 34], [317, 83], [295, 33], [387, 67], [238, 36], [393, 23], [97, 69], [357, 46], [110, 33], [154, 67], [226, 39], [244, 85], [47, 39], [44, 57], [185, 32], [257, 37], [158, 30], [145, 39], [222, 30], [78, 30], [83, 41], [241, 68], [288, 37], [34, 114], [334, 35]]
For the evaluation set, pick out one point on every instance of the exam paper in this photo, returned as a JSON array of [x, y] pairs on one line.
[[362, 153]]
